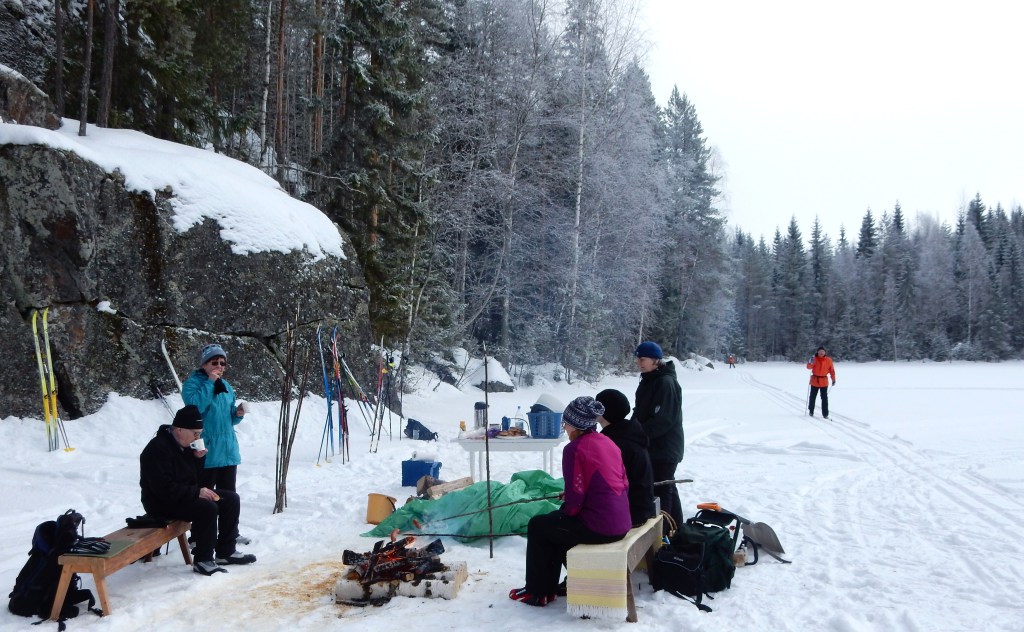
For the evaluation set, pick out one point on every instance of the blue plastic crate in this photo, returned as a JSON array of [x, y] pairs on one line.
[[413, 471], [545, 425]]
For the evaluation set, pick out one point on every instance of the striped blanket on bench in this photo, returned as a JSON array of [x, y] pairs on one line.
[[600, 576]]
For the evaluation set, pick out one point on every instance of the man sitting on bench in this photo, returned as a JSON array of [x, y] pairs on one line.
[[169, 476]]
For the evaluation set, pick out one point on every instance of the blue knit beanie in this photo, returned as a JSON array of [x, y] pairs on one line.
[[648, 349], [582, 413], [211, 351]]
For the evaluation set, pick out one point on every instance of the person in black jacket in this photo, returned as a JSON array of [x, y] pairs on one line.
[[169, 469], [632, 442], [659, 411]]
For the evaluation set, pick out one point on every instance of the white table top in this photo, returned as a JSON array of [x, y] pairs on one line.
[[524, 444]]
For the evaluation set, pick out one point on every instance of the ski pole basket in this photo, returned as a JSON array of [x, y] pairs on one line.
[[545, 425]]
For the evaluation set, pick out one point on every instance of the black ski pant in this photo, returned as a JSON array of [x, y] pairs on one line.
[[824, 400], [548, 538], [668, 494], [214, 524], [220, 477]]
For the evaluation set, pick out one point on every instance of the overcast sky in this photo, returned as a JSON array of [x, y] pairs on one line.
[[828, 109]]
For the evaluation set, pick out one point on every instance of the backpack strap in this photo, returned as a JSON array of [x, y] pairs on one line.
[[696, 602], [755, 547]]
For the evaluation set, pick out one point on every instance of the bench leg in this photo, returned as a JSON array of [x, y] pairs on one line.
[[630, 602], [101, 592], [183, 543], [649, 560], [62, 591]]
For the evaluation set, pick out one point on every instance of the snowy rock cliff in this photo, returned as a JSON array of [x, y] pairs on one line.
[[124, 262]]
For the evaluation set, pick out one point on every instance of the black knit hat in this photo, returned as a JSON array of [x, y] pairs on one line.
[[616, 405], [188, 417]]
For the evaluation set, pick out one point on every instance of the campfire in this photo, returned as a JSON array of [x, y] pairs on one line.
[[396, 569]]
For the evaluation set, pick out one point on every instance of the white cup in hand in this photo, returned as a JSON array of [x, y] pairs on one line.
[[240, 407], [198, 444]]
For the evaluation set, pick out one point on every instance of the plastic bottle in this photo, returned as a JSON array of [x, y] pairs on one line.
[[739, 557]]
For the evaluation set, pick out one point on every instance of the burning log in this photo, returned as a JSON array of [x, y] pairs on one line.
[[397, 569], [394, 560]]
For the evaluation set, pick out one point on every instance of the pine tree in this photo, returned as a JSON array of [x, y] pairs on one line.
[[866, 240], [375, 156], [694, 253], [793, 298], [820, 282]]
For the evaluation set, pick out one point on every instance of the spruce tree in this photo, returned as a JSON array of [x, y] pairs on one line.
[[375, 156], [694, 253]]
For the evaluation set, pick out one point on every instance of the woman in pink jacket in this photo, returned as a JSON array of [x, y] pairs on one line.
[[821, 368], [596, 507]]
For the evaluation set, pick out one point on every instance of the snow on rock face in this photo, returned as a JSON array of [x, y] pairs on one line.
[[183, 243], [23, 103]]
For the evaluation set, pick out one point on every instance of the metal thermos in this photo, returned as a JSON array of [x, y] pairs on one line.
[[480, 412]]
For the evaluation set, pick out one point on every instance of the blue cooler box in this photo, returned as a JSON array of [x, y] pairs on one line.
[[413, 471]]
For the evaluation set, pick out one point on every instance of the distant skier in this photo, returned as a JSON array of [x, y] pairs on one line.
[[732, 361], [821, 368]]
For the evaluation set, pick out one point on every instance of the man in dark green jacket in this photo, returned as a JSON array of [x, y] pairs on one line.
[[659, 411]]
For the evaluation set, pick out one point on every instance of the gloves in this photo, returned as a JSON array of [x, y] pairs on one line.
[[90, 546], [833, 382], [218, 387]]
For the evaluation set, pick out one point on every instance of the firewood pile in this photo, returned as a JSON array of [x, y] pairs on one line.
[[398, 569]]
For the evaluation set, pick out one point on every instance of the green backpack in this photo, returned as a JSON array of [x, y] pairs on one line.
[[698, 559], [720, 533]]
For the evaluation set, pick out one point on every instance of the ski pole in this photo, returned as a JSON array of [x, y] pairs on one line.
[[476, 511], [160, 395], [170, 365], [678, 480], [459, 535]]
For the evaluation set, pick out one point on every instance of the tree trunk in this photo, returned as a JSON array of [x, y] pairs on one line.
[[318, 81], [58, 63], [279, 139], [266, 82], [107, 73], [86, 71], [578, 203]]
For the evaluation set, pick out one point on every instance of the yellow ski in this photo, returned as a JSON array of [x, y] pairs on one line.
[[55, 431]]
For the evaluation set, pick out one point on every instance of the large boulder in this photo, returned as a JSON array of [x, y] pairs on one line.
[[119, 278], [23, 103]]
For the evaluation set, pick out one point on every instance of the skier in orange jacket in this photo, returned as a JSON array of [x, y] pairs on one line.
[[821, 368]]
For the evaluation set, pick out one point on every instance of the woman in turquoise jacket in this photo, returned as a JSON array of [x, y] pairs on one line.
[[208, 391]]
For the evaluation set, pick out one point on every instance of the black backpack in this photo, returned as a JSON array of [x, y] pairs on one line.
[[36, 585], [698, 560], [416, 430]]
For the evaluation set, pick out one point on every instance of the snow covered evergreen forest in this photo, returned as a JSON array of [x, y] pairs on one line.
[[506, 174]]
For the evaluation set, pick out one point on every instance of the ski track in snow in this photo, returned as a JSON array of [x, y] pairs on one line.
[[944, 501]]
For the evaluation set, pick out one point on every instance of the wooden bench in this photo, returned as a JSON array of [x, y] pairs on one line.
[[600, 576], [126, 546]]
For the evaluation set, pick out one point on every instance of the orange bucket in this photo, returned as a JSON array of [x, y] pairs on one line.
[[379, 507]]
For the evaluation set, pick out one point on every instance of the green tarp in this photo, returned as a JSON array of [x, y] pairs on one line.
[[435, 516]]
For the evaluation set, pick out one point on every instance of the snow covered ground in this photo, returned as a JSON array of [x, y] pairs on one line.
[[902, 513]]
